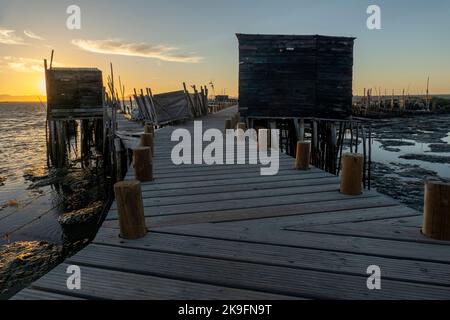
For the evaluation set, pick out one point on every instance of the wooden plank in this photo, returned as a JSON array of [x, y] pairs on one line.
[[242, 204], [238, 195], [201, 184], [239, 187], [32, 294], [350, 244], [302, 258], [248, 276], [108, 284], [331, 217], [263, 212], [389, 230]]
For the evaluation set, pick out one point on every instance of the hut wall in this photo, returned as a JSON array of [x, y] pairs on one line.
[[295, 76], [74, 93]]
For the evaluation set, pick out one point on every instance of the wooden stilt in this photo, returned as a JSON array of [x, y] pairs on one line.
[[303, 155], [436, 219], [143, 164], [352, 171], [130, 209]]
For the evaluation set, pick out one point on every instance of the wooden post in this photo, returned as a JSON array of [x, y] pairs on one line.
[[149, 128], [303, 155], [352, 171], [147, 141], [263, 139], [130, 209], [436, 214], [240, 130], [302, 130], [228, 124], [143, 164]]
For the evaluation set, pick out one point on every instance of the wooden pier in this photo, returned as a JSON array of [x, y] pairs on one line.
[[226, 232]]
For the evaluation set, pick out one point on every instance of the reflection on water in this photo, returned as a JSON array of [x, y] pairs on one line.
[[446, 139], [23, 152], [33, 197], [28, 212], [381, 155]]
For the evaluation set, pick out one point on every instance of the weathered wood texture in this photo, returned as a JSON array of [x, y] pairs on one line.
[[74, 92], [436, 220], [295, 76], [226, 232], [131, 209]]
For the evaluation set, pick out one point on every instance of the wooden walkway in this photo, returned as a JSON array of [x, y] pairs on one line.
[[226, 232]]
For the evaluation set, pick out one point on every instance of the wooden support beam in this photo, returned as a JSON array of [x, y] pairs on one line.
[[436, 219], [352, 172], [130, 209]]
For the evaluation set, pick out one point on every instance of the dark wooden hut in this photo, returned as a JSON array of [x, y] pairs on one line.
[[295, 76], [74, 93]]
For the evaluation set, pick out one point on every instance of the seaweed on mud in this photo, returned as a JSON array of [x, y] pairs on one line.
[[439, 147], [24, 261], [84, 215], [404, 182], [427, 158]]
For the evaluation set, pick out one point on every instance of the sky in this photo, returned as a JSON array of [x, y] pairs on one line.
[[161, 44]]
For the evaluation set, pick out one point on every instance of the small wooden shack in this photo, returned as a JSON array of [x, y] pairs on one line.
[[74, 93], [295, 76]]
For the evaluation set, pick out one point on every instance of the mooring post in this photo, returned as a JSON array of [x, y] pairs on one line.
[[436, 211], [228, 124], [240, 130], [263, 139], [233, 121], [352, 172], [238, 117], [149, 128], [303, 155], [147, 141], [143, 164], [130, 209]]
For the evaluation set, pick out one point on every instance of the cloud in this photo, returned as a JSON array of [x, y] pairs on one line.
[[27, 65], [32, 35], [145, 50], [9, 37]]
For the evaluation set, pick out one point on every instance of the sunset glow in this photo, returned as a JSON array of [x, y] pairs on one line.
[[398, 57]]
